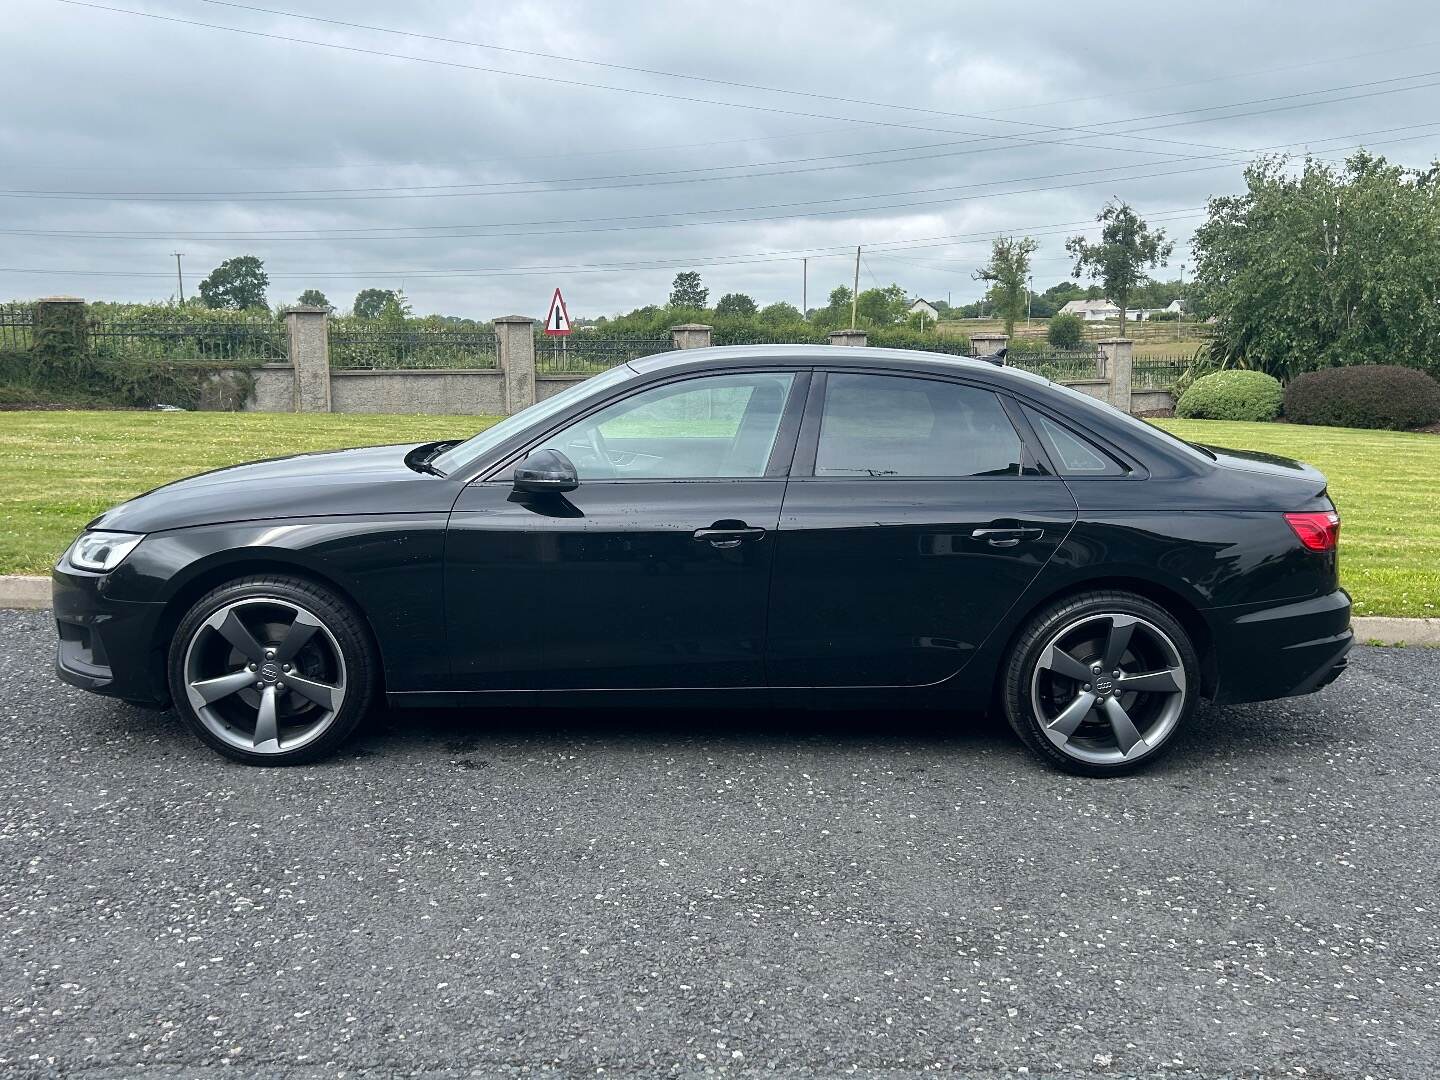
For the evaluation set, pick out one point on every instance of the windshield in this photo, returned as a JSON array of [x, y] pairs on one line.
[[491, 437]]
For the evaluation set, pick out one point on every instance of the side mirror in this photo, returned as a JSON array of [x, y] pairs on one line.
[[546, 471]]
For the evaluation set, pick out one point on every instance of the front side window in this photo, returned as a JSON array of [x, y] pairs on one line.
[[886, 425], [714, 427]]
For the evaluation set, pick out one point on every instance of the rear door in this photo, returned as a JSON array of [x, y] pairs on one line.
[[915, 517]]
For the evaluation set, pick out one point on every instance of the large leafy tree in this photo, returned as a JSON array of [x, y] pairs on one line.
[[237, 284], [881, 307], [1127, 249], [1336, 265], [687, 292], [1007, 274], [736, 304], [780, 314], [313, 298], [370, 303]]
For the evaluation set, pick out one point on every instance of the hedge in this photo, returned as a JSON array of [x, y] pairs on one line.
[[1364, 396], [1231, 395]]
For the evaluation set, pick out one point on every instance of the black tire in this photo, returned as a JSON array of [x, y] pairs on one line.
[[1036, 678], [336, 650]]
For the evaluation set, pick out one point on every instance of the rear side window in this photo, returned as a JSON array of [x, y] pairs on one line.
[[889, 426], [1072, 455]]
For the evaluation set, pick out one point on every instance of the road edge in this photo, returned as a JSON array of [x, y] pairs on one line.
[[33, 594]]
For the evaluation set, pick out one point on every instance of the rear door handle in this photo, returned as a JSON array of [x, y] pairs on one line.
[[731, 537], [1007, 538]]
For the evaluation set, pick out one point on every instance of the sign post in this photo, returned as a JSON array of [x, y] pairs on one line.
[[557, 321]]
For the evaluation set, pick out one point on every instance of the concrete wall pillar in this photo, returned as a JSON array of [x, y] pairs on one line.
[[848, 337], [308, 330], [515, 345], [691, 336], [987, 344], [1117, 362]]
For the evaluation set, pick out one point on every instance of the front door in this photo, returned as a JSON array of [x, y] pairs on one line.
[[654, 572], [910, 526]]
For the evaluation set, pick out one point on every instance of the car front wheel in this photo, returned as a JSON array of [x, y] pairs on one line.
[[1099, 684], [271, 670]]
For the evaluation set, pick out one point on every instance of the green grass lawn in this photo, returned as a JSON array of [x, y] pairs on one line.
[[63, 468]]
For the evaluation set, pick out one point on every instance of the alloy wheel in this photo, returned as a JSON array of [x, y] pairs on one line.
[[265, 675], [1109, 688]]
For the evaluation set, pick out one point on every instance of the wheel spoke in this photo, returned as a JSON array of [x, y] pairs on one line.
[[211, 690], [1060, 662], [1151, 682], [301, 631], [1120, 723], [321, 694], [267, 724], [236, 632], [1121, 627], [1071, 716]]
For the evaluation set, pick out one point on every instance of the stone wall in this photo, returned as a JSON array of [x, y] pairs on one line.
[[472, 393]]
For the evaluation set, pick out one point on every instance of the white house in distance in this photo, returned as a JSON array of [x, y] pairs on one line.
[[923, 307], [1100, 310]]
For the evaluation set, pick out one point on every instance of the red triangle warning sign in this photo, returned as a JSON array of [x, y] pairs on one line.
[[557, 320]]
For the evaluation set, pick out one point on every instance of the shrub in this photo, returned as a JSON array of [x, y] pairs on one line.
[[1065, 331], [1364, 396], [1231, 395]]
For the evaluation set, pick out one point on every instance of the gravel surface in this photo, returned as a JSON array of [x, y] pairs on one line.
[[592, 894]]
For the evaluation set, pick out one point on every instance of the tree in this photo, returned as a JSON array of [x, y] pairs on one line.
[[1007, 274], [736, 304], [369, 303], [881, 307], [780, 314], [237, 284], [313, 298], [1065, 331], [687, 292], [1337, 265], [1127, 248]]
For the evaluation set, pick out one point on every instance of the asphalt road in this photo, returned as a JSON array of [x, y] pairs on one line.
[[750, 895]]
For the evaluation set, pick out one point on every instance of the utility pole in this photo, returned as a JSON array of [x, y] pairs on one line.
[[179, 277], [804, 288], [1029, 296], [855, 292]]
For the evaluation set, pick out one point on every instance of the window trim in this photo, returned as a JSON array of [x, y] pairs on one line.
[[1130, 469], [775, 466], [808, 446]]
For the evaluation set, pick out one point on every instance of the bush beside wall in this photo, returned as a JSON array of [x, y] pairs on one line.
[[1364, 396], [1231, 395]]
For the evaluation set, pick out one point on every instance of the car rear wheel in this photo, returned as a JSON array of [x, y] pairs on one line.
[[1099, 684], [271, 670]]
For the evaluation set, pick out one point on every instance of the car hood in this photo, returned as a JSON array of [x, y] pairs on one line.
[[370, 480]]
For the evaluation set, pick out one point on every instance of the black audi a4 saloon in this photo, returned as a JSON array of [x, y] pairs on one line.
[[786, 526]]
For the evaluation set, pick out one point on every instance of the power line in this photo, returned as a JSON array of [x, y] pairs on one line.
[[1012, 139], [789, 206]]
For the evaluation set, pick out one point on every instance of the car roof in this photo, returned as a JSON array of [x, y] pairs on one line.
[[832, 356]]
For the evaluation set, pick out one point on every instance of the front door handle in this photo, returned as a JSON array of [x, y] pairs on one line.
[[727, 536], [1006, 538]]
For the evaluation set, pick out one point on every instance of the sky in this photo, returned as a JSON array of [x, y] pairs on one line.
[[602, 147]]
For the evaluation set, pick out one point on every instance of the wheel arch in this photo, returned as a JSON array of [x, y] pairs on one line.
[[216, 571], [1172, 600]]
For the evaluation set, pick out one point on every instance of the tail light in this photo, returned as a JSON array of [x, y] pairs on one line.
[[1317, 531]]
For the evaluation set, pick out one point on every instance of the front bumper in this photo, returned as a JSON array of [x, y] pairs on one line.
[[1280, 651], [106, 646]]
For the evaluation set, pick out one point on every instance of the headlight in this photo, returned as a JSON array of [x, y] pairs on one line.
[[101, 551]]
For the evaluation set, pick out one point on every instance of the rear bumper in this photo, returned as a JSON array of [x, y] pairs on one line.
[[106, 646], [1281, 651]]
